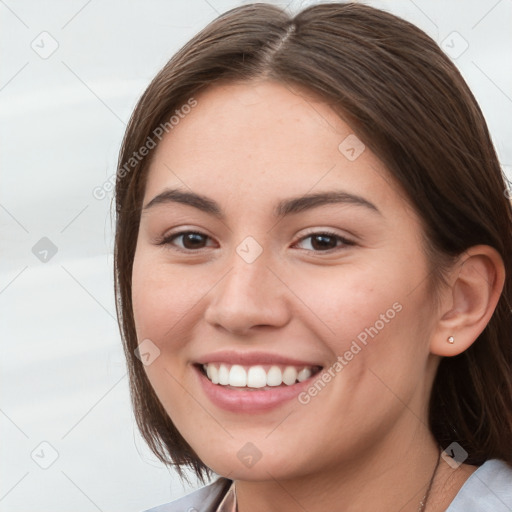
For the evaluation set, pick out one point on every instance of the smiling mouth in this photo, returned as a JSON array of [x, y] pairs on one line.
[[260, 377]]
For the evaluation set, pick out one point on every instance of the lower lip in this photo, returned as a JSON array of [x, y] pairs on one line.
[[243, 400]]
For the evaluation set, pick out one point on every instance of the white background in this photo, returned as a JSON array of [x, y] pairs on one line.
[[63, 374]]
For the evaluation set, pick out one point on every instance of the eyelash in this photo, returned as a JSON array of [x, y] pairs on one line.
[[169, 239]]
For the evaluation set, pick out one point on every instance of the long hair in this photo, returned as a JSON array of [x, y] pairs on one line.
[[409, 104]]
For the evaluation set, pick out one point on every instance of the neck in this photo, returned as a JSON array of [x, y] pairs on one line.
[[393, 476]]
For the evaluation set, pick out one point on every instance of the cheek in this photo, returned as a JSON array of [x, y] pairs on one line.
[[373, 322], [165, 299], [347, 304]]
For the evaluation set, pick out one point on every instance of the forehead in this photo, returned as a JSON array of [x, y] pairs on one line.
[[261, 139]]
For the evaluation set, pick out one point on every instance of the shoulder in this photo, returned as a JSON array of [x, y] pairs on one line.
[[205, 499], [489, 488]]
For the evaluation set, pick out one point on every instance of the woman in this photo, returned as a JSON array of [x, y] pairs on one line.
[[313, 269]]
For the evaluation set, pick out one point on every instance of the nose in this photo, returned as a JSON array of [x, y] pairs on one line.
[[249, 296]]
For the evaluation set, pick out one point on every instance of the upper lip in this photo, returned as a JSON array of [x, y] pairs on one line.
[[252, 358]]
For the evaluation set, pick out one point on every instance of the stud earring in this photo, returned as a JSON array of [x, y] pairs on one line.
[[450, 339]]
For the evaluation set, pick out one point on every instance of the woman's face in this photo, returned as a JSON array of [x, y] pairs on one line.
[[289, 249]]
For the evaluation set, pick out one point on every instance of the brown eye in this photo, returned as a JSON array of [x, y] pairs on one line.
[[191, 240], [324, 241]]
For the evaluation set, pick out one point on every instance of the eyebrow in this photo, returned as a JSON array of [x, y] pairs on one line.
[[285, 207]]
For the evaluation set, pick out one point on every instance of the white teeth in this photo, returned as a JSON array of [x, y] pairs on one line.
[[289, 375], [304, 374], [223, 375], [213, 373], [237, 376], [255, 376], [274, 376]]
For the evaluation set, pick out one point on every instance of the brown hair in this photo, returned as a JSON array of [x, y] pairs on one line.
[[409, 104]]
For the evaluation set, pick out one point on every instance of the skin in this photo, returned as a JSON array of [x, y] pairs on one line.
[[363, 440]]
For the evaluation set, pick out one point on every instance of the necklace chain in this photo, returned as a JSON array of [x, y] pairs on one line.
[[423, 502]]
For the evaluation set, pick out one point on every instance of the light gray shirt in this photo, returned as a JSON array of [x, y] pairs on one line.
[[488, 489]]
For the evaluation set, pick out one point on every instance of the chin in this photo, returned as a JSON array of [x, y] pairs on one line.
[[246, 462]]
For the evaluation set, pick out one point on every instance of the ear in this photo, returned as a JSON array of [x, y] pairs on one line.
[[477, 281]]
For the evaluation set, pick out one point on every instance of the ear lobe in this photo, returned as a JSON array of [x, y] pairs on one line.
[[478, 278]]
